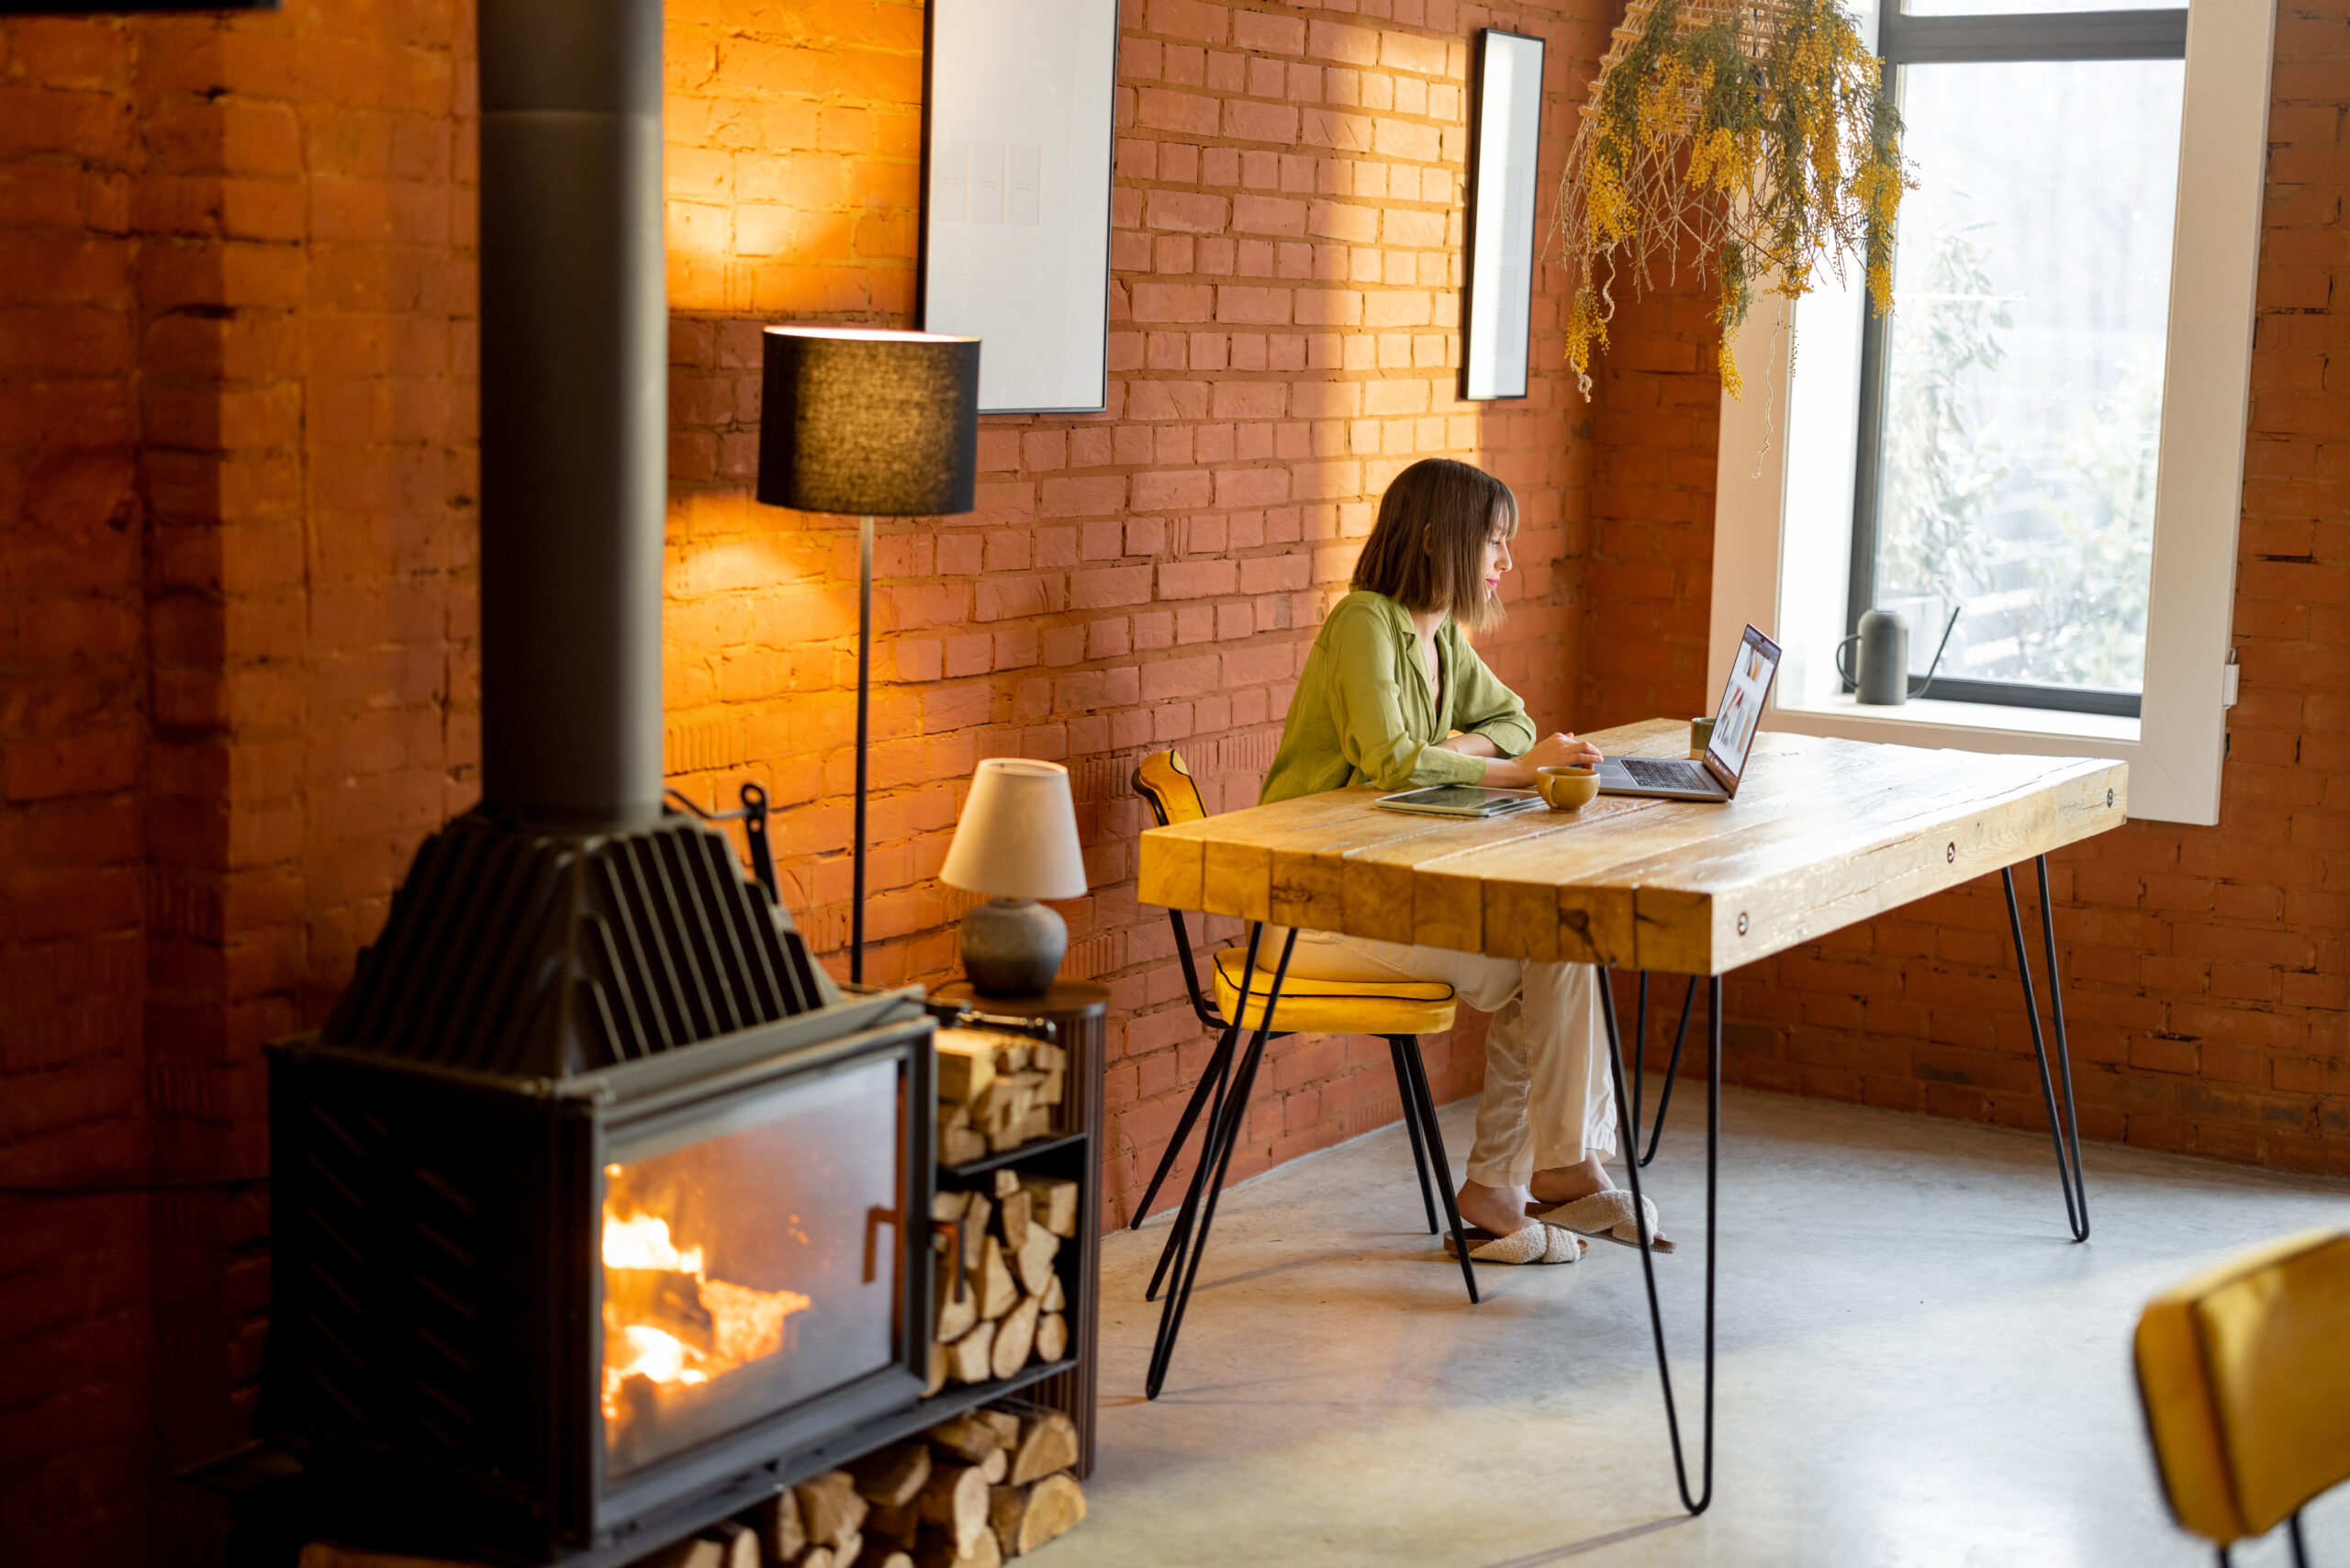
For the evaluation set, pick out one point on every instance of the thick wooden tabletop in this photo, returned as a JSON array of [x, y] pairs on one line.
[[1824, 833]]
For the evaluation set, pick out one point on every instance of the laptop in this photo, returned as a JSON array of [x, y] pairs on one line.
[[1715, 778]]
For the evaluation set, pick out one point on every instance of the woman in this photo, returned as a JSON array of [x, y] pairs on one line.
[[1389, 681]]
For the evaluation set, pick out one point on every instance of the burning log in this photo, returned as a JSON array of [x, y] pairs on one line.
[[666, 1299]]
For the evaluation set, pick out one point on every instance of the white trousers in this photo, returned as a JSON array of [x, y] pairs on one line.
[[1548, 1099]]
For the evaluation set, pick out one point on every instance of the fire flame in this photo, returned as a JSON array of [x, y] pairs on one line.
[[641, 1241], [744, 1325]]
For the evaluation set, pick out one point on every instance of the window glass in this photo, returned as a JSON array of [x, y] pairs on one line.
[[2023, 365]]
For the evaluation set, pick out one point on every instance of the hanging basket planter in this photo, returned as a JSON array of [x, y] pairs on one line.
[[1753, 139]]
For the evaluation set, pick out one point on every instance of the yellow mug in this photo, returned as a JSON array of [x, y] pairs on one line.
[[1567, 788]]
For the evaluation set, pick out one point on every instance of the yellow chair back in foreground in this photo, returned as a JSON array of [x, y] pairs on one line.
[[2246, 1374]]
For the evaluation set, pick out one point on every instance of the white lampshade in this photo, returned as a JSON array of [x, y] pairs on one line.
[[1017, 836]]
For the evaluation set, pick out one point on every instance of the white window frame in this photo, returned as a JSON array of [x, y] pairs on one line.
[[1783, 513]]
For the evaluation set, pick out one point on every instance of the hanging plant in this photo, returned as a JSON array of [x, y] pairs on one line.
[[1753, 139]]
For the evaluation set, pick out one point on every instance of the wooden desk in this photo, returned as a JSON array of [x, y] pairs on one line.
[[1825, 832]]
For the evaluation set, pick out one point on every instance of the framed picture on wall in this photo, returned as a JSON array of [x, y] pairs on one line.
[[1016, 210], [1505, 138]]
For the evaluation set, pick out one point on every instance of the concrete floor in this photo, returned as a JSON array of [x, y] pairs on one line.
[[1917, 1365]]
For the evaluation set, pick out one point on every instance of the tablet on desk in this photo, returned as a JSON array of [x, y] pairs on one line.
[[1458, 800]]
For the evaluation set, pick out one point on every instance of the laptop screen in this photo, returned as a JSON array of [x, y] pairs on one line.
[[1742, 698]]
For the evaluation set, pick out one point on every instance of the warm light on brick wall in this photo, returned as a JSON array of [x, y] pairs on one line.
[[1287, 250]]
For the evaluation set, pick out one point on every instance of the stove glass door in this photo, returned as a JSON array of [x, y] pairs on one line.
[[751, 1260]]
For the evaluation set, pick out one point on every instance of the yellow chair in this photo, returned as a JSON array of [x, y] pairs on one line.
[[2245, 1374], [1400, 1013]]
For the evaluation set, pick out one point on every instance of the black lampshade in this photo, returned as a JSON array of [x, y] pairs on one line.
[[860, 421]]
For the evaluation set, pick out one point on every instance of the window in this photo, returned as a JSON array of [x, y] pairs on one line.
[[2012, 405], [2047, 434]]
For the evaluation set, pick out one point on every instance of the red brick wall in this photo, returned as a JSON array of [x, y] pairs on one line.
[[235, 634], [2207, 969], [1286, 247]]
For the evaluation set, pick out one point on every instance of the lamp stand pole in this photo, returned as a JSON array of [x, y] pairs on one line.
[[864, 708]]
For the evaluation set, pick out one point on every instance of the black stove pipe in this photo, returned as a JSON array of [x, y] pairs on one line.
[[575, 417]]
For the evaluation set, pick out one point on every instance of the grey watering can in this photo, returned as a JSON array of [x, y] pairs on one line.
[[1882, 675]]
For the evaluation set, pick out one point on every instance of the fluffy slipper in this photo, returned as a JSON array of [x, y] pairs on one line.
[[1538, 1243], [1607, 1214]]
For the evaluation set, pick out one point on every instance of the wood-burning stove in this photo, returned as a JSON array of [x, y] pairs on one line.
[[565, 1309]]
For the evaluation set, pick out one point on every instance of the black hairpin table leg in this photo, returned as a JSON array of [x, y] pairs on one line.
[[1191, 1240], [1698, 1503], [2065, 1129]]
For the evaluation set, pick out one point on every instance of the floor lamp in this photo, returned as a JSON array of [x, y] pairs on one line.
[[866, 423]]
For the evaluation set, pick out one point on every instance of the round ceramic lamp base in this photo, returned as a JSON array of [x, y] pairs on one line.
[[1013, 947]]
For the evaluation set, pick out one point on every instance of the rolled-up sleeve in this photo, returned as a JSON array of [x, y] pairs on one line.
[[1371, 732], [1482, 705]]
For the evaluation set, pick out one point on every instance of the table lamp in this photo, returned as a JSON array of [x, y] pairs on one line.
[[1016, 841], [864, 422]]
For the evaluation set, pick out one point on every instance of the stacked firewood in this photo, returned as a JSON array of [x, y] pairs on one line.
[[966, 1494], [996, 1092], [1000, 1302]]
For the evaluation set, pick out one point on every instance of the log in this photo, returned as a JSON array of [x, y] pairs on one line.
[[817, 1557], [1005, 1504], [936, 1550], [955, 1500], [966, 1060], [1048, 1442], [1056, 1297], [830, 1508], [665, 1299], [958, 1144], [975, 1229], [694, 1553], [997, 1465], [967, 1358], [1012, 1213], [967, 1438], [993, 1279], [1055, 1089], [1035, 1256], [947, 1207], [897, 1526], [738, 1543], [1048, 1058], [1015, 1337], [780, 1530], [941, 1364], [848, 1549], [891, 1476], [1004, 1424], [1007, 1185], [1036, 1124], [1052, 1202], [958, 1307], [1052, 1337], [882, 1555], [1055, 1505]]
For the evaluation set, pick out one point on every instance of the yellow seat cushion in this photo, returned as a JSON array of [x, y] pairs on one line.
[[1335, 1007], [2247, 1385]]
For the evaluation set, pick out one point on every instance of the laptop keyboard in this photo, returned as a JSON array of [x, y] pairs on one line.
[[1651, 773]]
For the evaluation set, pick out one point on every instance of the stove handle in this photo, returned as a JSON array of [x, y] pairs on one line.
[[875, 1219]]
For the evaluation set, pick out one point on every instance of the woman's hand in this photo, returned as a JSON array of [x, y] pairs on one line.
[[1550, 751]]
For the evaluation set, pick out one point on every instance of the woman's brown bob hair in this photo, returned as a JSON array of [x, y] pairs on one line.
[[1427, 550]]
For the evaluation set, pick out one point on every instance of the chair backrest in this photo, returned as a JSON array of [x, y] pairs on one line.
[[1168, 785], [1174, 796], [2246, 1385]]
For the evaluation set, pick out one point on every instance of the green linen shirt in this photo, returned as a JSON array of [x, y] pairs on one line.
[[1363, 712]]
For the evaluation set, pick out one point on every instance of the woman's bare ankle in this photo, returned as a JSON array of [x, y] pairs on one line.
[[1565, 1183], [1500, 1210]]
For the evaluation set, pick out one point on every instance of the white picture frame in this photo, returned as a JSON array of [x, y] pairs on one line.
[[1017, 140], [1505, 143]]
